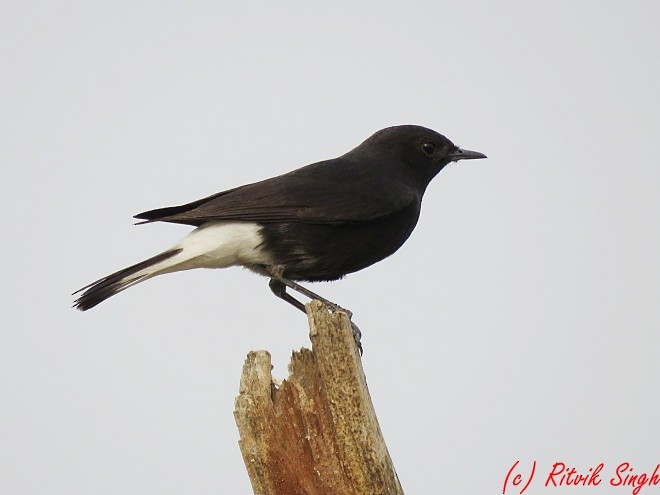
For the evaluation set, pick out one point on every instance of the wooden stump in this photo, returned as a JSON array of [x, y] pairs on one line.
[[317, 432]]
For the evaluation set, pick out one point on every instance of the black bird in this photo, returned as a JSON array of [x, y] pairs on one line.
[[316, 223]]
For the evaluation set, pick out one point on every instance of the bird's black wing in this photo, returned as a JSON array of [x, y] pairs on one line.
[[331, 192]]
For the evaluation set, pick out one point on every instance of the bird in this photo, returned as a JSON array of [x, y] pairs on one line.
[[317, 223]]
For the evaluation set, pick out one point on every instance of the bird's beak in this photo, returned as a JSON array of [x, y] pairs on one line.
[[461, 154]]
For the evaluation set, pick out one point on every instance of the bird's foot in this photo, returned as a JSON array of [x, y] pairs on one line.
[[336, 307], [357, 334]]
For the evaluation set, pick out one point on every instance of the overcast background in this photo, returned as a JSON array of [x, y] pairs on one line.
[[519, 322]]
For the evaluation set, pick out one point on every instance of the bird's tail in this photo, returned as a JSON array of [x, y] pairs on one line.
[[214, 245], [99, 291]]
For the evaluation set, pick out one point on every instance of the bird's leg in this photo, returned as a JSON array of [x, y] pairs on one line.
[[278, 286], [285, 282], [279, 289]]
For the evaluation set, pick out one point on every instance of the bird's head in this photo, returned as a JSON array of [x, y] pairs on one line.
[[418, 152]]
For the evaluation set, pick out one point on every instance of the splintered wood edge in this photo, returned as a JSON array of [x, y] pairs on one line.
[[252, 408]]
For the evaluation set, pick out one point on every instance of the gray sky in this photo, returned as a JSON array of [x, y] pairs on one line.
[[520, 321]]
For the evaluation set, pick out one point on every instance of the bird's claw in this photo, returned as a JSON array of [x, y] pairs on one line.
[[357, 337], [337, 307]]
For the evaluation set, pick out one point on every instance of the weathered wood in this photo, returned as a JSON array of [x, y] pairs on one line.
[[316, 433]]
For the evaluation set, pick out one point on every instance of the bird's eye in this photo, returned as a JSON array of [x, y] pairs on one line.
[[428, 148]]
